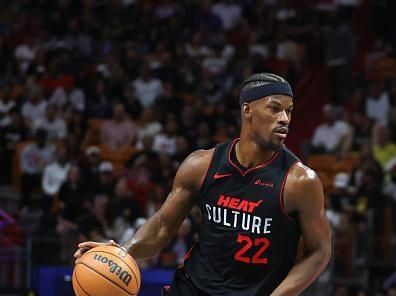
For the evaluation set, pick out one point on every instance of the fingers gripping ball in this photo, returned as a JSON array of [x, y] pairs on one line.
[[104, 271]]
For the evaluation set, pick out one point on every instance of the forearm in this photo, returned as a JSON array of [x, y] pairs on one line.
[[150, 239], [303, 274]]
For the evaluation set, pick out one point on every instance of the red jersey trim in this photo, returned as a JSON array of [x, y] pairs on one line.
[[281, 203], [253, 168]]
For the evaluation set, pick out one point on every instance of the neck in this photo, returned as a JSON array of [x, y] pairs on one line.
[[250, 154]]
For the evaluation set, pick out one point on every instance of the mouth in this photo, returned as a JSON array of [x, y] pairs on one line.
[[281, 132]]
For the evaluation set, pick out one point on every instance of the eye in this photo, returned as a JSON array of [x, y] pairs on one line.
[[275, 109]]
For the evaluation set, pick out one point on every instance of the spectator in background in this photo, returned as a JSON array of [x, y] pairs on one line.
[[362, 130], [73, 197], [148, 126], [222, 133], [365, 161], [156, 199], [343, 234], [332, 136], [56, 172], [216, 63], [25, 53], [389, 285], [183, 149], [287, 49], [390, 187], [101, 211], [76, 132], [73, 203], [10, 136], [34, 109], [339, 50], [120, 131], [183, 241], [89, 167], [6, 104], [91, 228], [147, 88], [203, 137], [78, 39], [276, 63], [211, 90], [54, 78], [106, 182], [132, 105], [54, 125], [99, 104], [383, 148], [229, 12], [203, 17], [188, 122], [123, 226], [136, 184], [342, 193], [369, 193], [378, 104], [68, 98], [34, 158], [165, 142], [196, 49], [169, 101]]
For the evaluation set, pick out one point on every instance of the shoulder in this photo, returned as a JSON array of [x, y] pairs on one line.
[[197, 161], [193, 169], [301, 176], [302, 186]]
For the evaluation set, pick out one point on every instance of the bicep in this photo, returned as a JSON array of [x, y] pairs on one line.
[[185, 190], [306, 196], [315, 228]]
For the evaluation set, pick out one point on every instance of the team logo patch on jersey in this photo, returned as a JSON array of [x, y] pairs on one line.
[[262, 183]]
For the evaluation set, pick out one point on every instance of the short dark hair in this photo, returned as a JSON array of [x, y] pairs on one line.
[[260, 79]]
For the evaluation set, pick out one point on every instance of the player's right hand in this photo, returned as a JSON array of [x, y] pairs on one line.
[[85, 246]]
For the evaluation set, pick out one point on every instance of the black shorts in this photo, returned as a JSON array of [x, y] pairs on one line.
[[183, 286]]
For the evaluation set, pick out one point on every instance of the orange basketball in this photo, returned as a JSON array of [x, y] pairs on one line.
[[104, 271]]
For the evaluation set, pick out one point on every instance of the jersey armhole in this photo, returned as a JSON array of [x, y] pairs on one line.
[[281, 198], [207, 170]]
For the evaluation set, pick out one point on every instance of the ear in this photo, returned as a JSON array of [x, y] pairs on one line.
[[246, 111]]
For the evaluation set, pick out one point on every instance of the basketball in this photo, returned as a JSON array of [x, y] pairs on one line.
[[106, 270]]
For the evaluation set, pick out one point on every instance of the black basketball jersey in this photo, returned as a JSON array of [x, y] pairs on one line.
[[247, 243]]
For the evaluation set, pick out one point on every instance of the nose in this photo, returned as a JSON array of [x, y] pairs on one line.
[[284, 118]]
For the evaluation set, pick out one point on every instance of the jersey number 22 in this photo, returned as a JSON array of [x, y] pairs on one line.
[[262, 243]]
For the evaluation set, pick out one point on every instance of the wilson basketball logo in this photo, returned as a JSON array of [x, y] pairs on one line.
[[123, 275]]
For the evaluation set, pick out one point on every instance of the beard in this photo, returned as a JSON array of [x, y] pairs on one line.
[[269, 144]]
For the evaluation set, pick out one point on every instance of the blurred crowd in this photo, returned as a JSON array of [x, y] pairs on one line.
[[100, 102]]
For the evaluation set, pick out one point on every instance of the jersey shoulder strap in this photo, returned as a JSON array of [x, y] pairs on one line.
[[219, 160], [288, 159]]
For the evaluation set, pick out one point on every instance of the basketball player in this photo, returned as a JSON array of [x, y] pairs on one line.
[[257, 199]]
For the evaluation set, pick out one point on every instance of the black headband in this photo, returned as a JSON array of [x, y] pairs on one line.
[[274, 88]]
